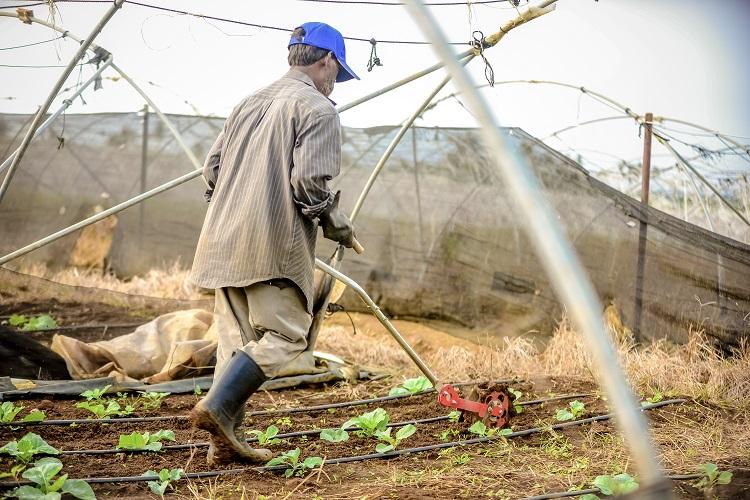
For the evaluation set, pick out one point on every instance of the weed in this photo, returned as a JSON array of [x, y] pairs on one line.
[[334, 435], [392, 442], [454, 416], [411, 386], [712, 477], [9, 411], [95, 394], [293, 465], [448, 435], [166, 477], [462, 459], [369, 423], [25, 448], [284, 422], [480, 429], [267, 437], [47, 487], [151, 442], [151, 400], [576, 410]]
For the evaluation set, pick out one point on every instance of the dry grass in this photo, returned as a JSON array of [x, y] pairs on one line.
[[168, 282], [696, 369]]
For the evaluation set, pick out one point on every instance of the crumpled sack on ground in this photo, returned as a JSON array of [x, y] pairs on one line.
[[168, 347]]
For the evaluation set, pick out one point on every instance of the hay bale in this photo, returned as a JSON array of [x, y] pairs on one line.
[[94, 243]]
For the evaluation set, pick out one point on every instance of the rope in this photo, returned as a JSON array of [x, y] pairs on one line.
[[374, 59], [479, 44]]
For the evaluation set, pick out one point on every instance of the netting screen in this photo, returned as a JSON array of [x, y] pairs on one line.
[[442, 238]]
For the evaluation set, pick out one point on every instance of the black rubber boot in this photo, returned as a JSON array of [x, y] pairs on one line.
[[214, 457], [220, 410]]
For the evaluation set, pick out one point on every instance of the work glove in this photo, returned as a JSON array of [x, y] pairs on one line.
[[337, 226]]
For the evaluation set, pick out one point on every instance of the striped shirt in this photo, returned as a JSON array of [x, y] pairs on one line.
[[268, 174]]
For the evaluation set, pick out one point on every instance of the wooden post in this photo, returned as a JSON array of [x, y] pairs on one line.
[[643, 229]]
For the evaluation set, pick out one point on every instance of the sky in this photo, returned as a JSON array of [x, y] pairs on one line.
[[676, 58]]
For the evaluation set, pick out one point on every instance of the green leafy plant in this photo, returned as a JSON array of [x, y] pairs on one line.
[[47, 487], [284, 422], [146, 441], [334, 435], [454, 416], [516, 400], [106, 409], [9, 411], [411, 386], [369, 423], [32, 323], [27, 447], [480, 429], [576, 410], [95, 394], [392, 442], [294, 467], [152, 400], [14, 471], [267, 437], [712, 477], [166, 477], [612, 485], [448, 434], [462, 459]]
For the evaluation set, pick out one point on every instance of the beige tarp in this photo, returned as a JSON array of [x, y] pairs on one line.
[[168, 347]]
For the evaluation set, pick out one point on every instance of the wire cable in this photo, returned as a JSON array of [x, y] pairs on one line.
[[32, 44]]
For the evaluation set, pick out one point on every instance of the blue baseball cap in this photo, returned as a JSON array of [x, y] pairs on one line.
[[326, 37]]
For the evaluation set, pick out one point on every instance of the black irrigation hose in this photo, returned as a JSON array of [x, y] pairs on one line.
[[576, 493], [360, 458], [311, 432], [258, 413]]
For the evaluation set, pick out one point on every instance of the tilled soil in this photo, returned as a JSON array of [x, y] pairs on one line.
[[97, 436]]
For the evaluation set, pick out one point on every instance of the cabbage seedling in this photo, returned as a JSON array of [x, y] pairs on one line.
[[612, 485], [334, 435], [369, 423], [294, 467], [136, 441], [577, 409], [712, 477], [152, 400], [25, 448], [392, 442], [9, 411], [266, 438], [166, 477], [46, 486], [480, 429], [411, 386]]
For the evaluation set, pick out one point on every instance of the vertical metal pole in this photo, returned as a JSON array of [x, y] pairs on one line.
[[144, 167], [53, 93], [416, 189], [556, 255], [643, 228]]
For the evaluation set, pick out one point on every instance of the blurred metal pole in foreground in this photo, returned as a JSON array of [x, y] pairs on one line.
[[557, 256]]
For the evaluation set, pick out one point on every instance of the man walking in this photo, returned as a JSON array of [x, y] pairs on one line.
[[268, 174]]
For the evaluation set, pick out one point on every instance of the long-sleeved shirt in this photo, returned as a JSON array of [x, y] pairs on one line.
[[268, 174]]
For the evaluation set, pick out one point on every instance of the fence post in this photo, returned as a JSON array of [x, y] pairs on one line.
[[643, 229]]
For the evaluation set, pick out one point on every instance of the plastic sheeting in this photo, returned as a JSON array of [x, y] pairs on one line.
[[441, 238]]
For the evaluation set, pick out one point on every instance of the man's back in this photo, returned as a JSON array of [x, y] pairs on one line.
[[269, 169]]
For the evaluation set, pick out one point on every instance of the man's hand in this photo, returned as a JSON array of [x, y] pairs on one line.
[[336, 225]]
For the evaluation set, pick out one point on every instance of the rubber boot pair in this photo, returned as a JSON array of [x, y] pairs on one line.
[[221, 412]]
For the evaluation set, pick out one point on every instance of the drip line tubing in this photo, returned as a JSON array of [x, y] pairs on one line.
[[203, 444], [257, 413], [369, 456]]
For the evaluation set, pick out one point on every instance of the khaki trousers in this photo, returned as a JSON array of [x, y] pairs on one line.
[[269, 322]]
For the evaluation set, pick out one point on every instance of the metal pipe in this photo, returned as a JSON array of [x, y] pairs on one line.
[[554, 251], [381, 317], [65, 105], [163, 118], [395, 142], [101, 215], [144, 171], [53, 93]]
